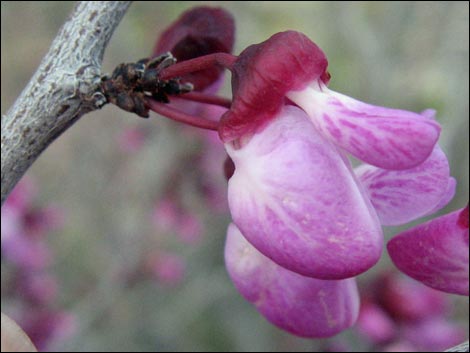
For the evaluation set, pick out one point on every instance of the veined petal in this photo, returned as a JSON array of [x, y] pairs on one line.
[[296, 200], [401, 196], [435, 252], [386, 138], [304, 306], [447, 197]]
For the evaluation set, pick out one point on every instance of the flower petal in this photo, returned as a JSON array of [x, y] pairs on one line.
[[296, 200], [435, 253], [402, 196], [386, 138], [448, 196], [304, 306]]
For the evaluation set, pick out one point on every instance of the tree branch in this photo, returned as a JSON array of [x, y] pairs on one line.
[[460, 348], [64, 87]]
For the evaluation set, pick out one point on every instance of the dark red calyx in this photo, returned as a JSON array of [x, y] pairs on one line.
[[197, 32], [262, 76]]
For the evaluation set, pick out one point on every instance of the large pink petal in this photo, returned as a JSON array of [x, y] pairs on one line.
[[304, 306], [402, 196], [297, 201], [435, 252], [386, 138]]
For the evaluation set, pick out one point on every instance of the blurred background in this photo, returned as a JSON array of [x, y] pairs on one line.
[[123, 219]]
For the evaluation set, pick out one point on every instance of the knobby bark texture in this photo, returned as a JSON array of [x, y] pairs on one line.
[[64, 87], [460, 348]]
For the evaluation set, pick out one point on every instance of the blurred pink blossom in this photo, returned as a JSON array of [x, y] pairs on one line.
[[131, 139], [167, 268], [44, 327]]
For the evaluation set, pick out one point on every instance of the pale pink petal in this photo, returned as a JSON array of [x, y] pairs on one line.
[[435, 252], [386, 138], [301, 305], [448, 196], [296, 200], [401, 196]]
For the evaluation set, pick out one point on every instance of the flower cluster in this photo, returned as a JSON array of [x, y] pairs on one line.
[[304, 221], [401, 315], [25, 227]]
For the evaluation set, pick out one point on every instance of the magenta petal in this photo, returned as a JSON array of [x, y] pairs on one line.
[[405, 195], [301, 305], [296, 200], [386, 138], [435, 253]]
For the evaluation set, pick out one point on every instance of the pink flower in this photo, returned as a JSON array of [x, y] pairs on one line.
[[45, 327], [436, 252], [38, 288], [167, 268], [304, 222], [374, 324], [165, 215], [290, 66], [24, 227], [294, 195], [400, 314], [409, 301], [131, 139]]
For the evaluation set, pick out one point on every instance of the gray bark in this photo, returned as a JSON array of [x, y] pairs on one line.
[[64, 87], [460, 348]]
